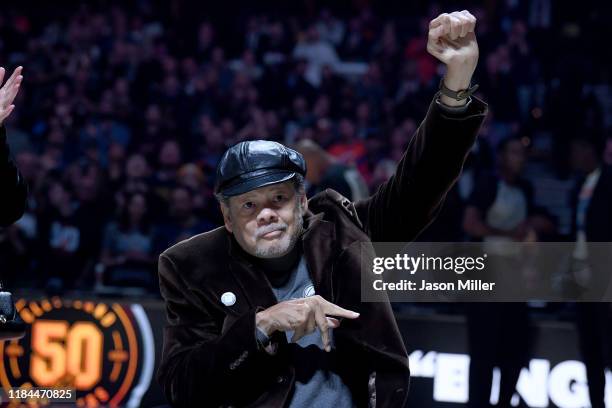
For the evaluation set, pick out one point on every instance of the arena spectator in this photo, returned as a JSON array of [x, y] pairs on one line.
[[122, 97], [128, 254], [325, 171], [65, 250], [591, 202], [501, 209], [183, 222]]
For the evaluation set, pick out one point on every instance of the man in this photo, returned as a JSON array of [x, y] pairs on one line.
[[184, 221], [499, 210], [501, 206], [592, 222], [266, 311], [12, 204], [326, 171]]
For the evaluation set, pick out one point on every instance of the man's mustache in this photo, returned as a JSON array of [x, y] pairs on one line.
[[269, 228]]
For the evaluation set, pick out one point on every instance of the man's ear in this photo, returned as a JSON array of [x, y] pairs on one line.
[[227, 220], [304, 202]]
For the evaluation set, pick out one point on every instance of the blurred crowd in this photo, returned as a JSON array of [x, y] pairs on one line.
[[126, 109]]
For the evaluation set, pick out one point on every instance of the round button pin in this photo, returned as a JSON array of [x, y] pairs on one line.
[[309, 291], [228, 298]]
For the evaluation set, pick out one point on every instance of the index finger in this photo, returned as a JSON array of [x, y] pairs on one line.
[[437, 32], [438, 20], [14, 75], [334, 310]]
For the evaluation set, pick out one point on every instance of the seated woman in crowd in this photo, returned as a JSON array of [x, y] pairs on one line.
[[127, 252]]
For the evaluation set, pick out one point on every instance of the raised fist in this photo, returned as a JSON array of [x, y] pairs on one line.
[[452, 40]]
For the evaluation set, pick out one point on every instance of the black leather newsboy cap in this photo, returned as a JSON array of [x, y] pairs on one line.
[[254, 164]]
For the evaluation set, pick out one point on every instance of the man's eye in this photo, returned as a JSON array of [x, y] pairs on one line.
[[248, 205], [279, 198]]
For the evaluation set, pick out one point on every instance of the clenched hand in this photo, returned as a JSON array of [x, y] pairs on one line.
[[452, 41]]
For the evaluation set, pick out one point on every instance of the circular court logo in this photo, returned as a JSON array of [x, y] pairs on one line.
[[97, 348]]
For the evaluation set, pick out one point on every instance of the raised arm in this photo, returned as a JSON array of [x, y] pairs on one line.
[[12, 184], [404, 205]]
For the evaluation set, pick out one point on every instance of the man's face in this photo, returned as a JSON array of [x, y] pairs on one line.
[[170, 155], [182, 204], [514, 157], [137, 166], [267, 221]]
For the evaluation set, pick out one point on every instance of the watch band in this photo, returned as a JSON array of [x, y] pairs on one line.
[[457, 95]]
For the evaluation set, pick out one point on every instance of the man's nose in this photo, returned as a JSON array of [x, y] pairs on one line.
[[266, 216]]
